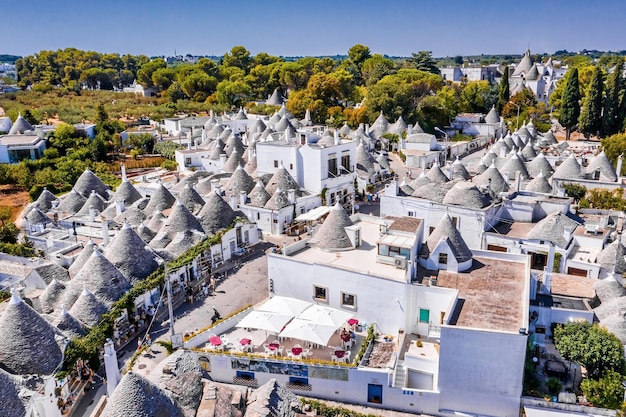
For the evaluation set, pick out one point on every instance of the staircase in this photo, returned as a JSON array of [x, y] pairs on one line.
[[400, 374]]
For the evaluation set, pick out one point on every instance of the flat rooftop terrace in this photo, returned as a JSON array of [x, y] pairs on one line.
[[492, 294], [361, 259]]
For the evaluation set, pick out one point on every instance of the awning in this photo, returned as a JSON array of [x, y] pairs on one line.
[[314, 214]]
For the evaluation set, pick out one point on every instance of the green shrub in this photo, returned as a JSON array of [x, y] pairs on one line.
[[169, 165], [554, 386]]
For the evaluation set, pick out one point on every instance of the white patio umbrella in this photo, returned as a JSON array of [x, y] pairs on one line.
[[308, 331], [325, 315], [285, 305], [263, 320]]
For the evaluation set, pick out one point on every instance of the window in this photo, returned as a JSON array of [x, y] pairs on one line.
[[455, 221], [291, 167], [383, 250], [332, 167], [345, 162], [187, 161], [320, 293], [424, 315], [430, 230], [348, 300], [275, 163], [258, 216], [443, 258], [411, 214]]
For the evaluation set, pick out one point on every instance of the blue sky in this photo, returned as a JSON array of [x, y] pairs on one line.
[[318, 27]]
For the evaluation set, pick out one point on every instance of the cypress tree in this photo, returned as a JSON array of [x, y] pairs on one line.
[[590, 121], [503, 93], [611, 112], [570, 103]]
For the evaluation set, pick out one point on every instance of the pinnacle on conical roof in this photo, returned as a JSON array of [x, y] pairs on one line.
[[69, 325], [233, 161], [307, 121], [239, 181], [162, 199], [51, 295], [82, 258], [88, 308], [241, 115], [180, 219], [128, 253], [466, 194], [514, 165], [216, 214], [493, 179], [539, 184], [191, 199], [45, 200], [492, 116], [88, 182], [259, 195], [345, 130], [569, 169], [71, 202], [127, 193], [28, 344], [331, 235], [281, 179], [102, 277], [436, 175], [417, 128], [458, 171], [601, 163], [136, 396], [540, 165], [94, 201], [446, 230], [20, 125]]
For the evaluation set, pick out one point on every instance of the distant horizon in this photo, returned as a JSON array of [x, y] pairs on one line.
[[324, 28]]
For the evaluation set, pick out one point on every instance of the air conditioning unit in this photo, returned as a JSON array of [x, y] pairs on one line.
[[399, 262]]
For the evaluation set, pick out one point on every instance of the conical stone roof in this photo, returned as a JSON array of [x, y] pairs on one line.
[[203, 187], [183, 241], [540, 165], [128, 253], [601, 163], [241, 115], [493, 179], [162, 199], [569, 169], [102, 278], [88, 309], [258, 126], [458, 171], [513, 166], [345, 130], [45, 200], [127, 193], [380, 125], [145, 233], [279, 200], [430, 192], [492, 116], [190, 198], [532, 74], [276, 99], [180, 219], [466, 194], [283, 124], [549, 139], [529, 152], [331, 235], [68, 325], [283, 180], [88, 182], [28, 344], [446, 230], [239, 181], [420, 181], [259, 195], [11, 393], [82, 258], [365, 161], [156, 221], [436, 175], [251, 165], [480, 168], [216, 214], [20, 125], [233, 161], [399, 127], [525, 64], [95, 201], [71, 202], [132, 215], [234, 143], [489, 157], [136, 396], [36, 216], [539, 185], [51, 295]]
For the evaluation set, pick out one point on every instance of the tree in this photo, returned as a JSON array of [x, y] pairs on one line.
[[576, 191], [606, 392], [198, 86], [611, 111], [591, 346], [376, 67], [358, 54], [238, 57], [423, 61], [607, 199], [28, 115], [144, 74], [590, 121], [503, 92], [570, 103]]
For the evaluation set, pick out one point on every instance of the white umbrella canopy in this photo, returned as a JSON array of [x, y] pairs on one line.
[[285, 305], [308, 331], [263, 320], [327, 316]]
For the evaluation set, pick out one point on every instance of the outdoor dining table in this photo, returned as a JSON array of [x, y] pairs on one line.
[[273, 346], [245, 341], [296, 351], [246, 344]]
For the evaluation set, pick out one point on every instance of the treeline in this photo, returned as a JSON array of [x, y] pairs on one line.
[[9, 59]]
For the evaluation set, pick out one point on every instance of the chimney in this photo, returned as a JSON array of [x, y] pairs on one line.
[[119, 207], [123, 172], [203, 134], [291, 195], [111, 367], [618, 169], [518, 181], [233, 202], [367, 129], [105, 232], [218, 188], [223, 158], [214, 184], [502, 152], [336, 137], [92, 214], [287, 140], [242, 198], [189, 144], [547, 280], [409, 130]]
